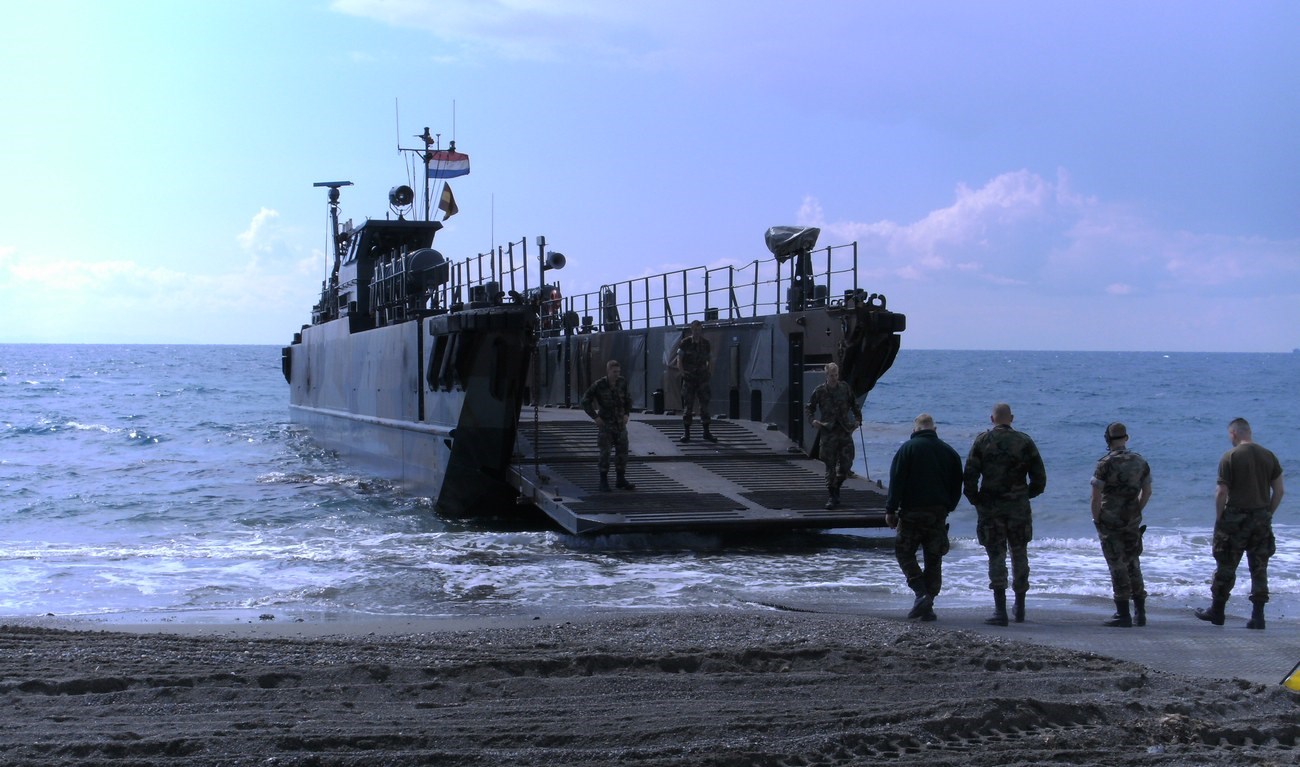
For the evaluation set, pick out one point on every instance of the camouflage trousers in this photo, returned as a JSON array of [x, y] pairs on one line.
[[925, 529], [999, 533], [695, 392], [836, 451], [1243, 531], [612, 438], [1122, 547]]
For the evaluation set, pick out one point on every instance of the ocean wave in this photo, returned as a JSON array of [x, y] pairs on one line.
[[140, 437], [46, 425]]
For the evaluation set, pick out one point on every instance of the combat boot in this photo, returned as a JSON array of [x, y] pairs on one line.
[[1019, 610], [686, 432], [1122, 618], [622, 483], [604, 482], [1213, 613], [999, 616], [708, 435], [921, 605], [834, 498], [1139, 611], [1256, 617]]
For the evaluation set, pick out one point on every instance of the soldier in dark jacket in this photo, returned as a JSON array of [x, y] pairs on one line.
[[924, 485], [695, 361], [840, 417], [1003, 471], [1121, 487], [608, 403]]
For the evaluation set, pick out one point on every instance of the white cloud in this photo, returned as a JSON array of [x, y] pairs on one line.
[[261, 235], [126, 301], [1020, 229], [528, 30]]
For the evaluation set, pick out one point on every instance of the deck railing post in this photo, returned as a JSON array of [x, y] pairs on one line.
[[669, 318], [855, 268], [828, 276], [686, 299], [708, 297]]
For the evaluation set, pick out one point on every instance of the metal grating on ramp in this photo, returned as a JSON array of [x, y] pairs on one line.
[[731, 438], [585, 473], [748, 479], [850, 500], [663, 507], [778, 474], [562, 441]]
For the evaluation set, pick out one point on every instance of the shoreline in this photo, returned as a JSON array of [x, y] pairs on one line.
[[1174, 641]]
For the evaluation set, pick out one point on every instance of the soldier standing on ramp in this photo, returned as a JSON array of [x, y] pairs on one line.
[[695, 361], [608, 403], [840, 417]]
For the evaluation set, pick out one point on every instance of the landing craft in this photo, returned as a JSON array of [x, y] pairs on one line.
[[460, 379]]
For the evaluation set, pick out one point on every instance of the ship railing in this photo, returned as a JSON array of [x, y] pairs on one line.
[[725, 291], [500, 275]]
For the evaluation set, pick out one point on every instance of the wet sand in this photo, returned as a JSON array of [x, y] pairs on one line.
[[717, 688]]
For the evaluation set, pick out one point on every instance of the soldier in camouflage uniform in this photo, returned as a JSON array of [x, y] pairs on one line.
[[1121, 487], [694, 360], [608, 403], [994, 481], [1249, 491], [840, 417]]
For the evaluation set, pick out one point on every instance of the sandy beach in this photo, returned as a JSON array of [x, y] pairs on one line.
[[717, 688]]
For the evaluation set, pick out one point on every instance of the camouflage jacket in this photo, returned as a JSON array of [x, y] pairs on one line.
[[608, 401], [694, 355], [1121, 475], [839, 408], [999, 462]]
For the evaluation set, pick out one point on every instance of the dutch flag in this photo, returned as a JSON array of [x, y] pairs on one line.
[[444, 163]]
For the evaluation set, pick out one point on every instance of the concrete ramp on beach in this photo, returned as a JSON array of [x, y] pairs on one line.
[[752, 478], [1173, 640]]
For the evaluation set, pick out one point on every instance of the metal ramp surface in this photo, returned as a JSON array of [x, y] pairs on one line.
[[752, 478]]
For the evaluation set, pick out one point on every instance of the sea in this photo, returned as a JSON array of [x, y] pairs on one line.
[[165, 483]]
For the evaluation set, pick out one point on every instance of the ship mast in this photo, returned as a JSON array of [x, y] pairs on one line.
[[430, 143], [336, 244]]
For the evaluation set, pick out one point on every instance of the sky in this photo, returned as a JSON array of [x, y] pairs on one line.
[[1017, 175]]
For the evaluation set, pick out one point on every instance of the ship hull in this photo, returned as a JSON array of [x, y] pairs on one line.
[[435, 404], [431, 404]]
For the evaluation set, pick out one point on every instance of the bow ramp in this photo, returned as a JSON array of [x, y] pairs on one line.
[[752, 478]]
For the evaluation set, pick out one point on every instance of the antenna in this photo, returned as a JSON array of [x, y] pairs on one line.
[[397, 124]]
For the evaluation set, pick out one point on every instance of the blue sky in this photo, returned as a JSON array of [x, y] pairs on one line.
[[1018, 175]]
